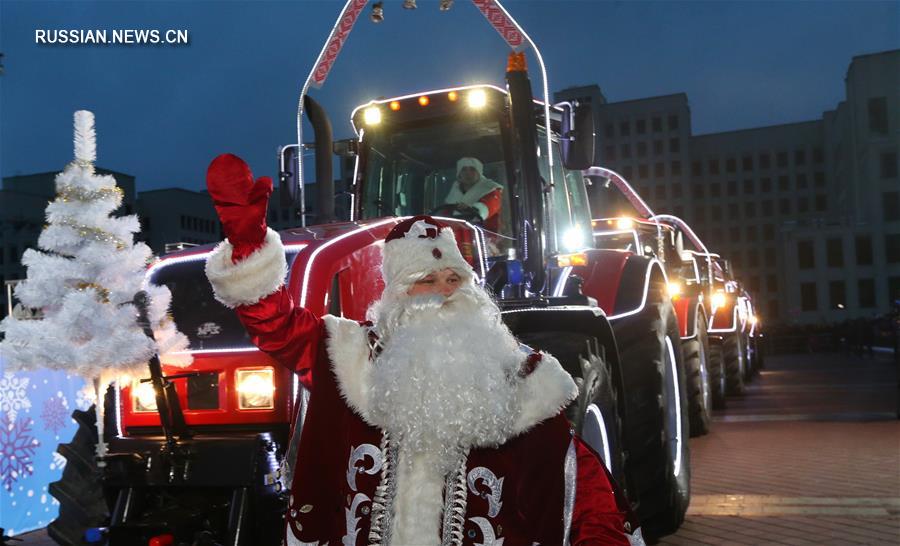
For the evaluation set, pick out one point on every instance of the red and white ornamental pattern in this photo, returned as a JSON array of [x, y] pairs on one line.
[[501, 23], [336, 42]]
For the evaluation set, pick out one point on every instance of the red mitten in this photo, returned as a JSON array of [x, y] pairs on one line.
[[240, 203]]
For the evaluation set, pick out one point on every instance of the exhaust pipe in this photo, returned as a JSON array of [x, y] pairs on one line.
[[324, 169]]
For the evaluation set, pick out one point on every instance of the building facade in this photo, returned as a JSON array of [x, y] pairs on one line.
[[808, 213]]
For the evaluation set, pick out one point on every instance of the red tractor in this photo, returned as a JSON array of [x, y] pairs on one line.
[[627, 223], [199, 451]]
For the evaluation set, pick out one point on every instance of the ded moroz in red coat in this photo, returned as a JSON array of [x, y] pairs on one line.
[[541, 486]]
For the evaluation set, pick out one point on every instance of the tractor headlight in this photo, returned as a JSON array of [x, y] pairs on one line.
[[624, 224], [372, 115], [674, 289], [143, 397], [476, 99], [718, 299], [256, 388]]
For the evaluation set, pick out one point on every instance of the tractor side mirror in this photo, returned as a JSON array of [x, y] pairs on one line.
[[288, 189], [577, 136]]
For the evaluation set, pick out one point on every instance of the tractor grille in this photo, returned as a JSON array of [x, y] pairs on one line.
[[203, 391]]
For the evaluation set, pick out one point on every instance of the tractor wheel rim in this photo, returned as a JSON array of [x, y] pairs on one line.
[[593, 431]]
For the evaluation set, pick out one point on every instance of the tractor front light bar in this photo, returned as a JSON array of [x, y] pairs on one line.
[[256, 388]]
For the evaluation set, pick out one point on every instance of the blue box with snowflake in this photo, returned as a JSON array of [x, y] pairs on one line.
[[35, 416]]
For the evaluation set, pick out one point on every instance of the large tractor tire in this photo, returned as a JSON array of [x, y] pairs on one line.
[[697, 367], [82, 503], [656, 437], [734, 357], [717, 373], [594, 414]]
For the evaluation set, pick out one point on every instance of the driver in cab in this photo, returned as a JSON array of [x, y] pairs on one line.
[[474, 195]]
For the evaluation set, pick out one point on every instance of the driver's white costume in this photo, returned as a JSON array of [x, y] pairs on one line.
[[485, 196]]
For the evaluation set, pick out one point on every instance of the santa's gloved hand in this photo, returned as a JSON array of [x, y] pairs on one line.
[[240, 203]]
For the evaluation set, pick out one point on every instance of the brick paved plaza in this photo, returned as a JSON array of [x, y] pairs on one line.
[[810, 455]]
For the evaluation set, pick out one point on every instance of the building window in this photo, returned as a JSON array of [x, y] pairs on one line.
[[801, 181], [764, 161], [661, 192], [698, 191], [781, 159], [747, 163], [748, 186], [819, 179], [679, 211], [818, 156], [799, 157], [892, 248], [821, 202], [768, 232], [717, 213], [658, 147], [889, 165], [640, 126], [629, 172], [802, 205], [642, 149], [732, 188], [772, 283], [610, 153], [890, 206], [834, 252], [715, 189], [893, 289], [878, 116], [713, 166], [643, 172], [806, 257], [626, 150], [784, 183], [753, 283], [750, 209], [837, 293], [696, 168], [865, 289], [673, 123], [699, 214], [624, 128], [752, 258], [610, 130], [808, 300], [676, 168], [773, 309], [767, 208], [674, 145], [784, 206], [769, 256], [676, 189], [734, 234], [734, 212], [863, 250], [659, 170], [751, 234], [657, 124], [731, 165]]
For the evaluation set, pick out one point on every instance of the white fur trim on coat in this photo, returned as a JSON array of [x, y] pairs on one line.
[[545, 392], [348, 350], [251, 279]]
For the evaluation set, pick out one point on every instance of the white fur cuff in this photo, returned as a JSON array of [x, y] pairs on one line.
[[545, 392], [251, 279]]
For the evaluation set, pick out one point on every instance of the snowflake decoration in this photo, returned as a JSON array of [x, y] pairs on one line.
[[17, 447], [58, 462], [55, 412], [13, 394], [84, 399]]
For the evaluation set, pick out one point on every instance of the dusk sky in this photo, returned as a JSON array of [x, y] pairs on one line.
[[163, 111]]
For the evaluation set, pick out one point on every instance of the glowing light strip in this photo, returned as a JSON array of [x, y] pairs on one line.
[[217, 351], [355, 178], [561, 282], [315, 253], [646, 290], [623, 186], [414, 95], [593, 409], [677, 393], [290, 248], [596, 311]]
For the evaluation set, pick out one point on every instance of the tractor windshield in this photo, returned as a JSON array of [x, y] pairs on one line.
[[198, 315], [454, 167]]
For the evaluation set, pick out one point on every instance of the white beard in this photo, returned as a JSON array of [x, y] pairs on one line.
[[443, 382]]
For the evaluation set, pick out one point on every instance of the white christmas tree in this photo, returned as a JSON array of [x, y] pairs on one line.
[[83, 279]]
